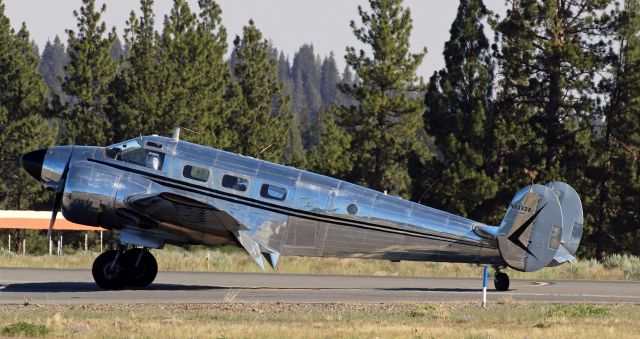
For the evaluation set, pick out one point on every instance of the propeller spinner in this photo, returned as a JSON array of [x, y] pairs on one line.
[[33, 163]]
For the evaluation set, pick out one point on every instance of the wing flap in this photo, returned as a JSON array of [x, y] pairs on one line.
[[174, 209]]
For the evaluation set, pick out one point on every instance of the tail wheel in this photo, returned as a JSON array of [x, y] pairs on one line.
[[141, 267], [501, 281], [108, 272]]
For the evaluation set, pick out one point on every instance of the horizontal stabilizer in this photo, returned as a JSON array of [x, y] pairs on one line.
[[563, 259]]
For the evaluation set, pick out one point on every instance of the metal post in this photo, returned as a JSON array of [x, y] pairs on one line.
[[24, 246], [9, 242], [100, 241], [86, 239], [60, 245], [484, 286], [50, 245]]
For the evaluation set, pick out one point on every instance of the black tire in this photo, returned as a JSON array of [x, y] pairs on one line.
[[146, 271], [501, 281], [108, 274]]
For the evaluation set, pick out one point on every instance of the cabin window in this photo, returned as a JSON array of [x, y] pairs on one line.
[[195, 173], [236, 183], [273, 192]]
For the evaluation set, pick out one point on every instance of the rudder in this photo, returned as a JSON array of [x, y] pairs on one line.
[[572, 221]]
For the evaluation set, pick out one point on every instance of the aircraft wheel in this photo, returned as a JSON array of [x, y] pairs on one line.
[[142, 274], [108, 272], [501, 281]]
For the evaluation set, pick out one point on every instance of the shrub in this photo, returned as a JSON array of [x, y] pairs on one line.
[[25, 329]]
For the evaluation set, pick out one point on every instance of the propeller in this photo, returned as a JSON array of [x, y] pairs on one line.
[[57, 201]]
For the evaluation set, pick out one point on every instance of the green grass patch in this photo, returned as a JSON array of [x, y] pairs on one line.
[[387, 320], [579, 310], [22, 328]]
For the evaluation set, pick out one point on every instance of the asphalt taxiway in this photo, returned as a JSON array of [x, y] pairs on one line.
[[40, 286]]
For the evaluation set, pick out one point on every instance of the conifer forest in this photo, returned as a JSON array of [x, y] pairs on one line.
[[548, 91]]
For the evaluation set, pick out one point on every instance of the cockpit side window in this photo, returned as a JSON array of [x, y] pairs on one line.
[[133, 153]]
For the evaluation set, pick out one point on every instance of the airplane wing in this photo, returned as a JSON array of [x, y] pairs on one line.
[[170, 209]]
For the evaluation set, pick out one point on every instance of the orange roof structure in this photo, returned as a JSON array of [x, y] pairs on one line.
[[39, 220]]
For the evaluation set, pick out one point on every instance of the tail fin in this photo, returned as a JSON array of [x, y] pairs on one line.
[[531, 232], [572, 221]]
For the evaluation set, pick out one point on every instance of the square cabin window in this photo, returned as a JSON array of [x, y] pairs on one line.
[[195, 173], [235, 183], [273, 192]]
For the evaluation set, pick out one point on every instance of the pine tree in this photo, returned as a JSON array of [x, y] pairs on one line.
[[23, 123], [510, 149], [306, 96], [564, 52], [284, 74], [329, 79], [90, 71], [457, 102], [139, 90], [386, 123], [347, 79], [549, 54], [54, 59], [116, 52], [616, 212], [196, 76], [302, 111], [294, 155], [261, 130], [332, 156]]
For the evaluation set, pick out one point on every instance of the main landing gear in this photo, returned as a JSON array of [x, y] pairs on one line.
[[117, 269], [501, 280]]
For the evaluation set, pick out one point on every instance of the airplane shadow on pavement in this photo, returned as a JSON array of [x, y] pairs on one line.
[[62, 287], [66, 287]]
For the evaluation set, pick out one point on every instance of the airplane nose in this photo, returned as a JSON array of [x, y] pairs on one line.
[[32, 162]]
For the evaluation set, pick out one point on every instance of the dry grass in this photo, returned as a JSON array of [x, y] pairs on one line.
[[234, 260], [436, 320]]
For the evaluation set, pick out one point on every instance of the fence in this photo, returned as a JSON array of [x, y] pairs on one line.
[[39, 220]]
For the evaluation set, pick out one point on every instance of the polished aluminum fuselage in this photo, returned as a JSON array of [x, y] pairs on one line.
[[320, 216]]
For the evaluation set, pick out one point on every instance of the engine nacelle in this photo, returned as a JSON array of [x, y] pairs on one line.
[[89, 194]]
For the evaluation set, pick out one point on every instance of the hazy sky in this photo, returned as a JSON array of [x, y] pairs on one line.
[[288, 23]]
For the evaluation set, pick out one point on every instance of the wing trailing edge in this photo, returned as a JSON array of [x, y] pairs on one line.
[[257, 250]]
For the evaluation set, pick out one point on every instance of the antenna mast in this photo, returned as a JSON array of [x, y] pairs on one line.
[[176, 133]]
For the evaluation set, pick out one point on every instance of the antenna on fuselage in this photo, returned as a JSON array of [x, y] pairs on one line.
[[176, 132]]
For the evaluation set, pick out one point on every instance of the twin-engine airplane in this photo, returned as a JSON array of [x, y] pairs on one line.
[[157, 190]]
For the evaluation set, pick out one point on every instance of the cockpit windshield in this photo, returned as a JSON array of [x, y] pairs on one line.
[[132, 152]]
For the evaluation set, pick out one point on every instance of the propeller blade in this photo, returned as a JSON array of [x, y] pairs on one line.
[[57, 202], [63, 177]]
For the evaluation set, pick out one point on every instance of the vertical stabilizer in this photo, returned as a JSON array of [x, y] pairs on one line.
[[572, 221], [531, 231]]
